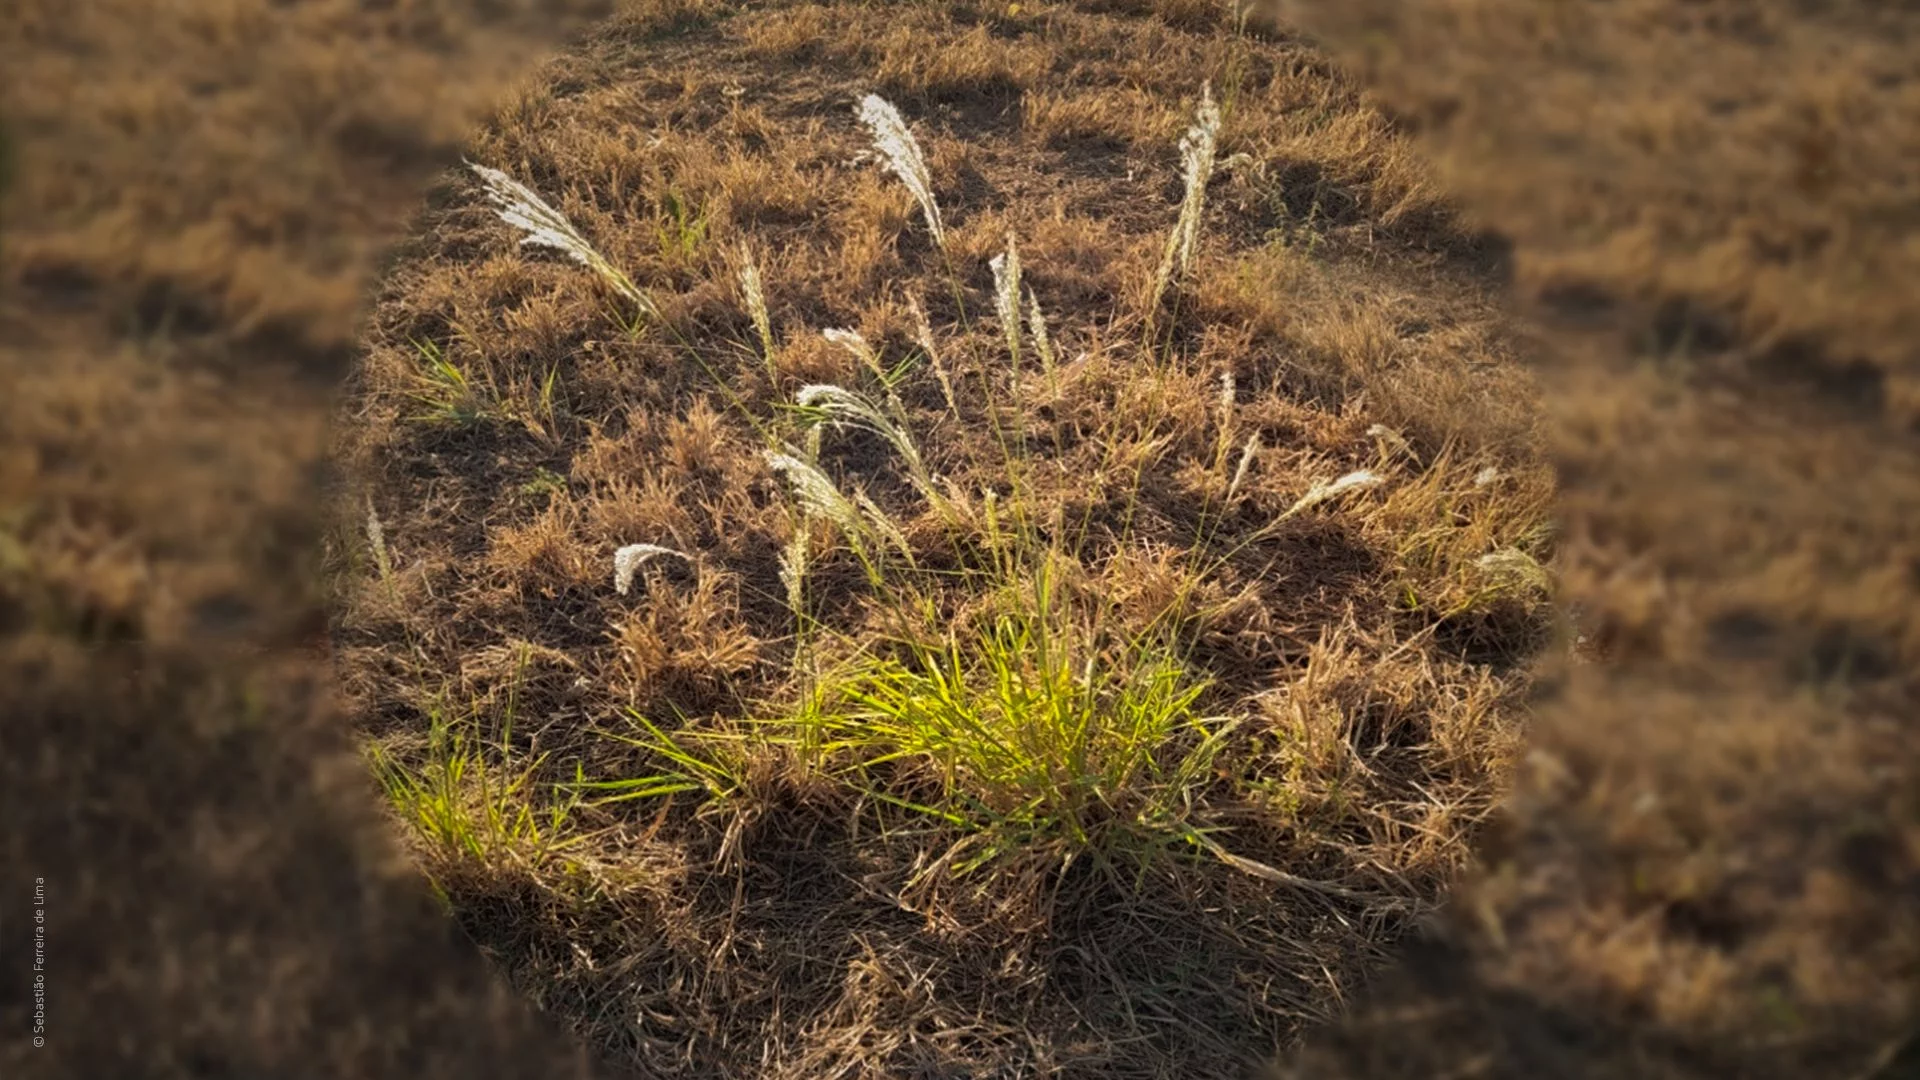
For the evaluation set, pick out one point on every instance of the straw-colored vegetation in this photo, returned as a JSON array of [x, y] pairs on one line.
[[1009, 538]]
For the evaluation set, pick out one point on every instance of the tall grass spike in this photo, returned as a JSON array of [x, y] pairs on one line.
[[756, 296], [923, 337], [897, 145], [1006, 295], [1197, 149]]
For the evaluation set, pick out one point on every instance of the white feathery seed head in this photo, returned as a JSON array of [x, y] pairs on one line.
[[1247, 454], [838, 401], [853, 342], [1389, 438], [1511, 565], [845, 408], [629, 559], [1223, 441], [1197, 150], [1006, 294], [816, 492], [1037, 326], [518, 205], [377, 539], [1322, 491], [896, 144], [793, 564], [751, 286]]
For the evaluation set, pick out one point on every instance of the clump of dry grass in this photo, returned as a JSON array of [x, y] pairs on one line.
[[1017, 618]]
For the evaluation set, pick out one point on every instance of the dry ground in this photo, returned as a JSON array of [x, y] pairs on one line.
[[512, 425], [184, 237], [1714, 851], [1709, 865]]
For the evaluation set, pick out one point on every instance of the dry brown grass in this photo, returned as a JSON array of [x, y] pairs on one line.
[[1711, 860], [784, 925], [1707, 868]]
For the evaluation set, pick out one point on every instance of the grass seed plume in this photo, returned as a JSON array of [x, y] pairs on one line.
[[901, 151]]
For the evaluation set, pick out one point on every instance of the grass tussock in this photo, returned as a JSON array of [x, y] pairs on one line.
[[998, 582]]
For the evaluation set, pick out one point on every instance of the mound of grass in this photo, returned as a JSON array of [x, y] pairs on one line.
[[983, 583], [1021, 736]]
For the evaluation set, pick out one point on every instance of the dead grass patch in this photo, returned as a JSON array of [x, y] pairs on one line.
[[1085, 670]]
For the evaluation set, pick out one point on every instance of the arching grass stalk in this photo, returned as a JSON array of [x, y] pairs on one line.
[[901, 151], [843, 408], [821, 500], [519, 206], [923, 337]]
